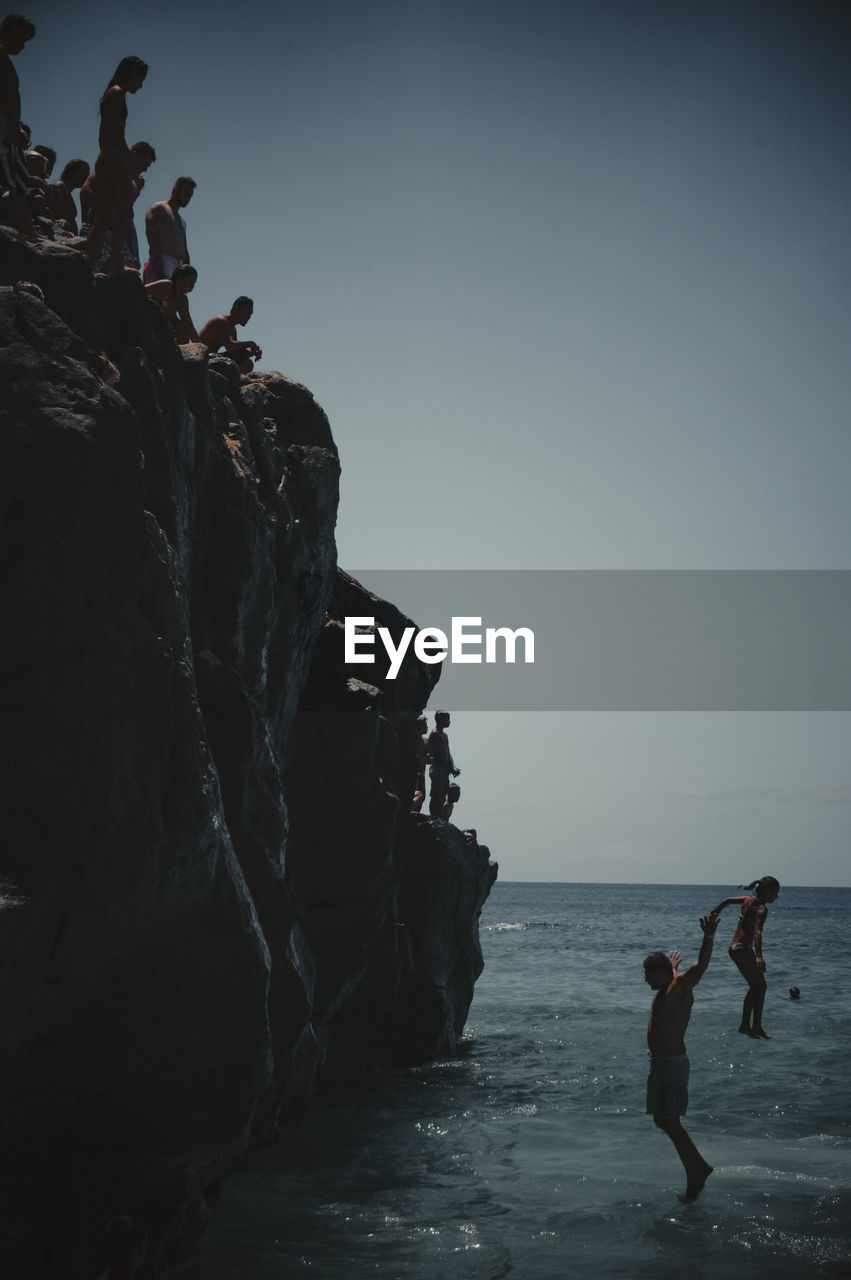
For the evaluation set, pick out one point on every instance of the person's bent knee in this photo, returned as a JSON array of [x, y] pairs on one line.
[[665, 1123]]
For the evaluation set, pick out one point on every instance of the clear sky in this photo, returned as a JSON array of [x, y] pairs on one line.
[[571, 281]]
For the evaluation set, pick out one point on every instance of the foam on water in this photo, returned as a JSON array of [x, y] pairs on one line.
[[531, 1155]]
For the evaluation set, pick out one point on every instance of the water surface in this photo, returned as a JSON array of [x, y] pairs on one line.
[[531, 1155]]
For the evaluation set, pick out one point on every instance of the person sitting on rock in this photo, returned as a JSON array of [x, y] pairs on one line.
[[172, 297], [15, 31], [49, 155], [166, 232], [219, 334], [59, 197], [37, 168]]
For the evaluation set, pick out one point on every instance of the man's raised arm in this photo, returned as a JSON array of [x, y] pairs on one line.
[[692, 975]]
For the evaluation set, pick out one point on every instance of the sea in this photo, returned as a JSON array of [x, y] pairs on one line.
[[530, 1155]]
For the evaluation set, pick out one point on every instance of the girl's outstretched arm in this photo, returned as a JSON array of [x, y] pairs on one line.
[[728, 902]]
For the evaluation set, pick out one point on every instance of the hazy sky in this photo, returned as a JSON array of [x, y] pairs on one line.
[[571, 281]]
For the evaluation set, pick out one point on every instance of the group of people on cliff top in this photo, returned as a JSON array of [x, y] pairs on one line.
[[667, 1083], [107, 235]]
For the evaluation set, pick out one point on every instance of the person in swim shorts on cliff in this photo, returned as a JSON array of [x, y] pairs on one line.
[[746, 950], [220, 332], [667, 1083], [165, 228], [442, 764]]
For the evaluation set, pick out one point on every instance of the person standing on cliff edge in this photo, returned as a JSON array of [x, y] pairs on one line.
[[166, 232], [115, 190], [15, 31], [667, 1084], [442, 764]]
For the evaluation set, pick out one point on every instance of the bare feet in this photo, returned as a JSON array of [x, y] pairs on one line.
[[744, 1030], [696, 1185], [759, 1034]]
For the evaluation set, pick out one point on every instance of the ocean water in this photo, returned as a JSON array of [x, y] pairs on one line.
[[531, 1155]]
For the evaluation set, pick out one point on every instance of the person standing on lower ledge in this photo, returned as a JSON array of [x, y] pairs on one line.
[[442, 764], [667, 1084]]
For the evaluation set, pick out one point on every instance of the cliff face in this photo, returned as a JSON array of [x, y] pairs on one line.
[[210, 894]]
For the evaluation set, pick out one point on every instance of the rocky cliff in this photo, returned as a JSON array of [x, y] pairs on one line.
[[212, 896]]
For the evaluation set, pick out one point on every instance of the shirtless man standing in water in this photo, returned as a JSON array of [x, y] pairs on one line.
[[667, 1084]]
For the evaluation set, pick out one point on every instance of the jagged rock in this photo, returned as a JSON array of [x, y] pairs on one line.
[[448, 877], [389, 900], [119, 869], [212, 894]]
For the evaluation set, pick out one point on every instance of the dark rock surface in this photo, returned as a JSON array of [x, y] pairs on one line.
[[211, 897]]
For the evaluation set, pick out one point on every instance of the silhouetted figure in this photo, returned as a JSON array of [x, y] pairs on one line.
[[15, 31], [171, 295], [453, 795], [421, 759], [667, 1083], [37, 166], [746, 950], [113, 206], [219, 334], [141, 156], [59, 197], [123, 1249], [794, 993], [166, 232], [441, 765], [49, 155]]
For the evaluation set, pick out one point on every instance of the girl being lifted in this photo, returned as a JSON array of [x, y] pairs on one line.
[[746, 950]]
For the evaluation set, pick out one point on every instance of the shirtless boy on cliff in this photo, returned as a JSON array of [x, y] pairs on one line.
[[667, 1084], [220, 332]]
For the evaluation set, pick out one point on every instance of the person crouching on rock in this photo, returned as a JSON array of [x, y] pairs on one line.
[[172, 296], [219, 334]]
